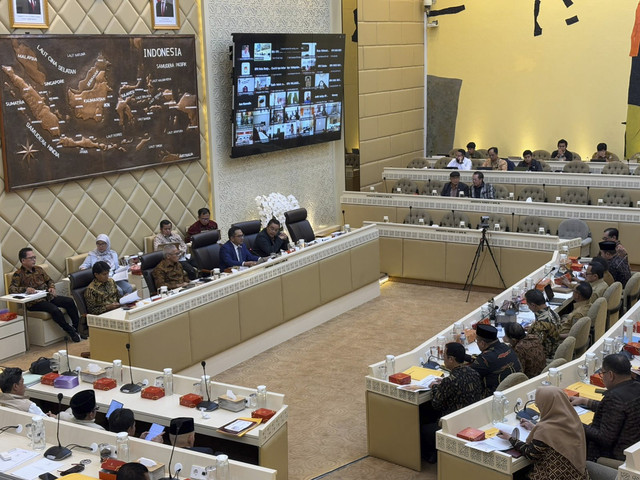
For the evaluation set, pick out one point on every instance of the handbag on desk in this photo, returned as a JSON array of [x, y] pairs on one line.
[[41, 366]]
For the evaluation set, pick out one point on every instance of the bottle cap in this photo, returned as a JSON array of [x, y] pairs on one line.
[[122, 435], [390, 357], [262, 388], [222, 458], [117, 362], [168, 371]]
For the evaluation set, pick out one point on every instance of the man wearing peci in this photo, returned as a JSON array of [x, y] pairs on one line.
[[235, 253], [164, 8], [270, 240]]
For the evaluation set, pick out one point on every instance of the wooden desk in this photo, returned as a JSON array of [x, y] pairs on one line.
[[364, 206], [266, 445], [286, 296], [72, 433], [23, 301]]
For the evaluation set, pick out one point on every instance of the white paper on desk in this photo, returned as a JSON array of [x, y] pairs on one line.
[[490, 444], [505, 427], [562, 296], [472, 349], [580, 410], [18, 455], [31, 472], [121, 273], [130, 298], [525, 318]]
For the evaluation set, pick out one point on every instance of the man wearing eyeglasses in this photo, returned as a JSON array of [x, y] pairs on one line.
[[169, 272], [29, 278], [616, 423], [235, 253]]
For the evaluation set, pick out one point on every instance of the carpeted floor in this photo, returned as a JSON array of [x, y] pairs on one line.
[[321, 373]]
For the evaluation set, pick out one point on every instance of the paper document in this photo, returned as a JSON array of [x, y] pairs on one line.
[[31, 472], [505, 427], [18, 455], [130, 298], [472, 349], [580, 410], [490, 444], [122, 273], [418, 373]]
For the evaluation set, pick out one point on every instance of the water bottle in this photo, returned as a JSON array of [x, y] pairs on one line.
[[168, 382], [554, 376], [390, 363], [261, 400], [628, 331], [117, 371], [440, 342], [122, 446], [592, 363], [463, 339], [498, 407], [36, 432], [222, 467]]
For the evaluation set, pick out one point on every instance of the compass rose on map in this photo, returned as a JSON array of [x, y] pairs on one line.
[[27, 152]]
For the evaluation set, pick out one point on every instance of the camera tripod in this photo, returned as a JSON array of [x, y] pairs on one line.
[[473, 270]]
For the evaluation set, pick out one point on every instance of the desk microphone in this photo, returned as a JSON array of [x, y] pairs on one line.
[[206, 405], [410, 217], [384, 180], [588, 197], [69, 371], [545, 192], [130, 387], [179, 425], [9, 427], [58, 452], [344, 221]]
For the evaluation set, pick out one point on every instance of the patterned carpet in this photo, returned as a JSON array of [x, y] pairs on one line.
[[321, 373]]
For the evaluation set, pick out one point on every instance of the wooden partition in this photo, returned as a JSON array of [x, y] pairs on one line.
[[196, 324], [555, 165], [360, 207]]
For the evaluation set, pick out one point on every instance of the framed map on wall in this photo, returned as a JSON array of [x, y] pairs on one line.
[[78, 106]]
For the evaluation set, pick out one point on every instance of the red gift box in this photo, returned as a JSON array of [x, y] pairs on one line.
[[400, 378], [49, 378], [596, 379], [571, 393], [471, 434], [152, 393], [264, 413], [190, 400], [109, 469], [104, 384], [633, 348]]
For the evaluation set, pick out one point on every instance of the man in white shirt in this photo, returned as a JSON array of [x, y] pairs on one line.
[[460, 162], [13, 392], [168, 236], [82, 410]]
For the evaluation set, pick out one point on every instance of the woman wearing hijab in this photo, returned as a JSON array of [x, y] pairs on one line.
[[556, 445], [103, 253]]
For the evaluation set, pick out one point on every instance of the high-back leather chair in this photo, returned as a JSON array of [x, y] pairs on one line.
[[636, 171], [80, 280], [558, 362], [576, 228], [576, 166], [565, 349], [598, 315], [419, 162], [541, 154], [613, 295], [532, 224], [631, 292], [250, 229], [148, 262], [484, 152], [453, 219], [414, 217], [430, 186], [576, 196], [536, 193], [545, 166], [580, 331], [442, 162], [298, 225], [500, 192], [406, 186], [512, 380], [615, 168], [206, 250], [616, 197]]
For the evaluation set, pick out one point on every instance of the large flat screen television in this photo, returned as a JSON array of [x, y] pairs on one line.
[[288, 91]]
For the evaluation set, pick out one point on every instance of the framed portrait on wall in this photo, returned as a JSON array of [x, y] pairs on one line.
[[29, 13], [165, 14]]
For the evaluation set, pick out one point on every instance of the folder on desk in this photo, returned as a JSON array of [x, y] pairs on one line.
[[419, 373]]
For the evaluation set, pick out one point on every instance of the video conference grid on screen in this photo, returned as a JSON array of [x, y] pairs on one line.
[[288, 91]]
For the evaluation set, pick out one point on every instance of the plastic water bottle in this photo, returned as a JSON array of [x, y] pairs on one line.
[[390, 363], [122, 446], [222, 467], [463, 339], [168, 382], [261, 400], [117, 371]]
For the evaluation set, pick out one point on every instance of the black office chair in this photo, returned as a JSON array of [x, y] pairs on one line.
[[206, 251], [80, 280], [148, 262], [250, 229], [298, 225]]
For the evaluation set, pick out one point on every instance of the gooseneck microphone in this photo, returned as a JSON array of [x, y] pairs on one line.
[[179, 425], [58, 452], [130, 387], [384, 180], [344, 221], [69, 371], [410, 216], [206, 405]]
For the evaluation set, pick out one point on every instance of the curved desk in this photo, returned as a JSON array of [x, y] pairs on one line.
[[280, 298]]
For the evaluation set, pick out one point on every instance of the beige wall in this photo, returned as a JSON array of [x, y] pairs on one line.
[[520, 91], [391, 85], [63, 219]]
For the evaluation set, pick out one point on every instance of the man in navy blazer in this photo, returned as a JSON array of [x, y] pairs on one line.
[[235, 253]]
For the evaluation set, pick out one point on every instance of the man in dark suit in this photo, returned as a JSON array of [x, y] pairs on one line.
[[235, 253], [164, 8], [455, 187], [30, 7]]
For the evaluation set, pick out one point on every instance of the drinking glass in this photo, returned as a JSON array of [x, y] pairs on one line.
[[583, 373]]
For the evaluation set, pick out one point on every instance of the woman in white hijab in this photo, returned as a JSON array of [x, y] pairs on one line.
[[103, 253]]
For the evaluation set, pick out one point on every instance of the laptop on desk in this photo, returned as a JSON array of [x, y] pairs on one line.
[[551, 298]]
